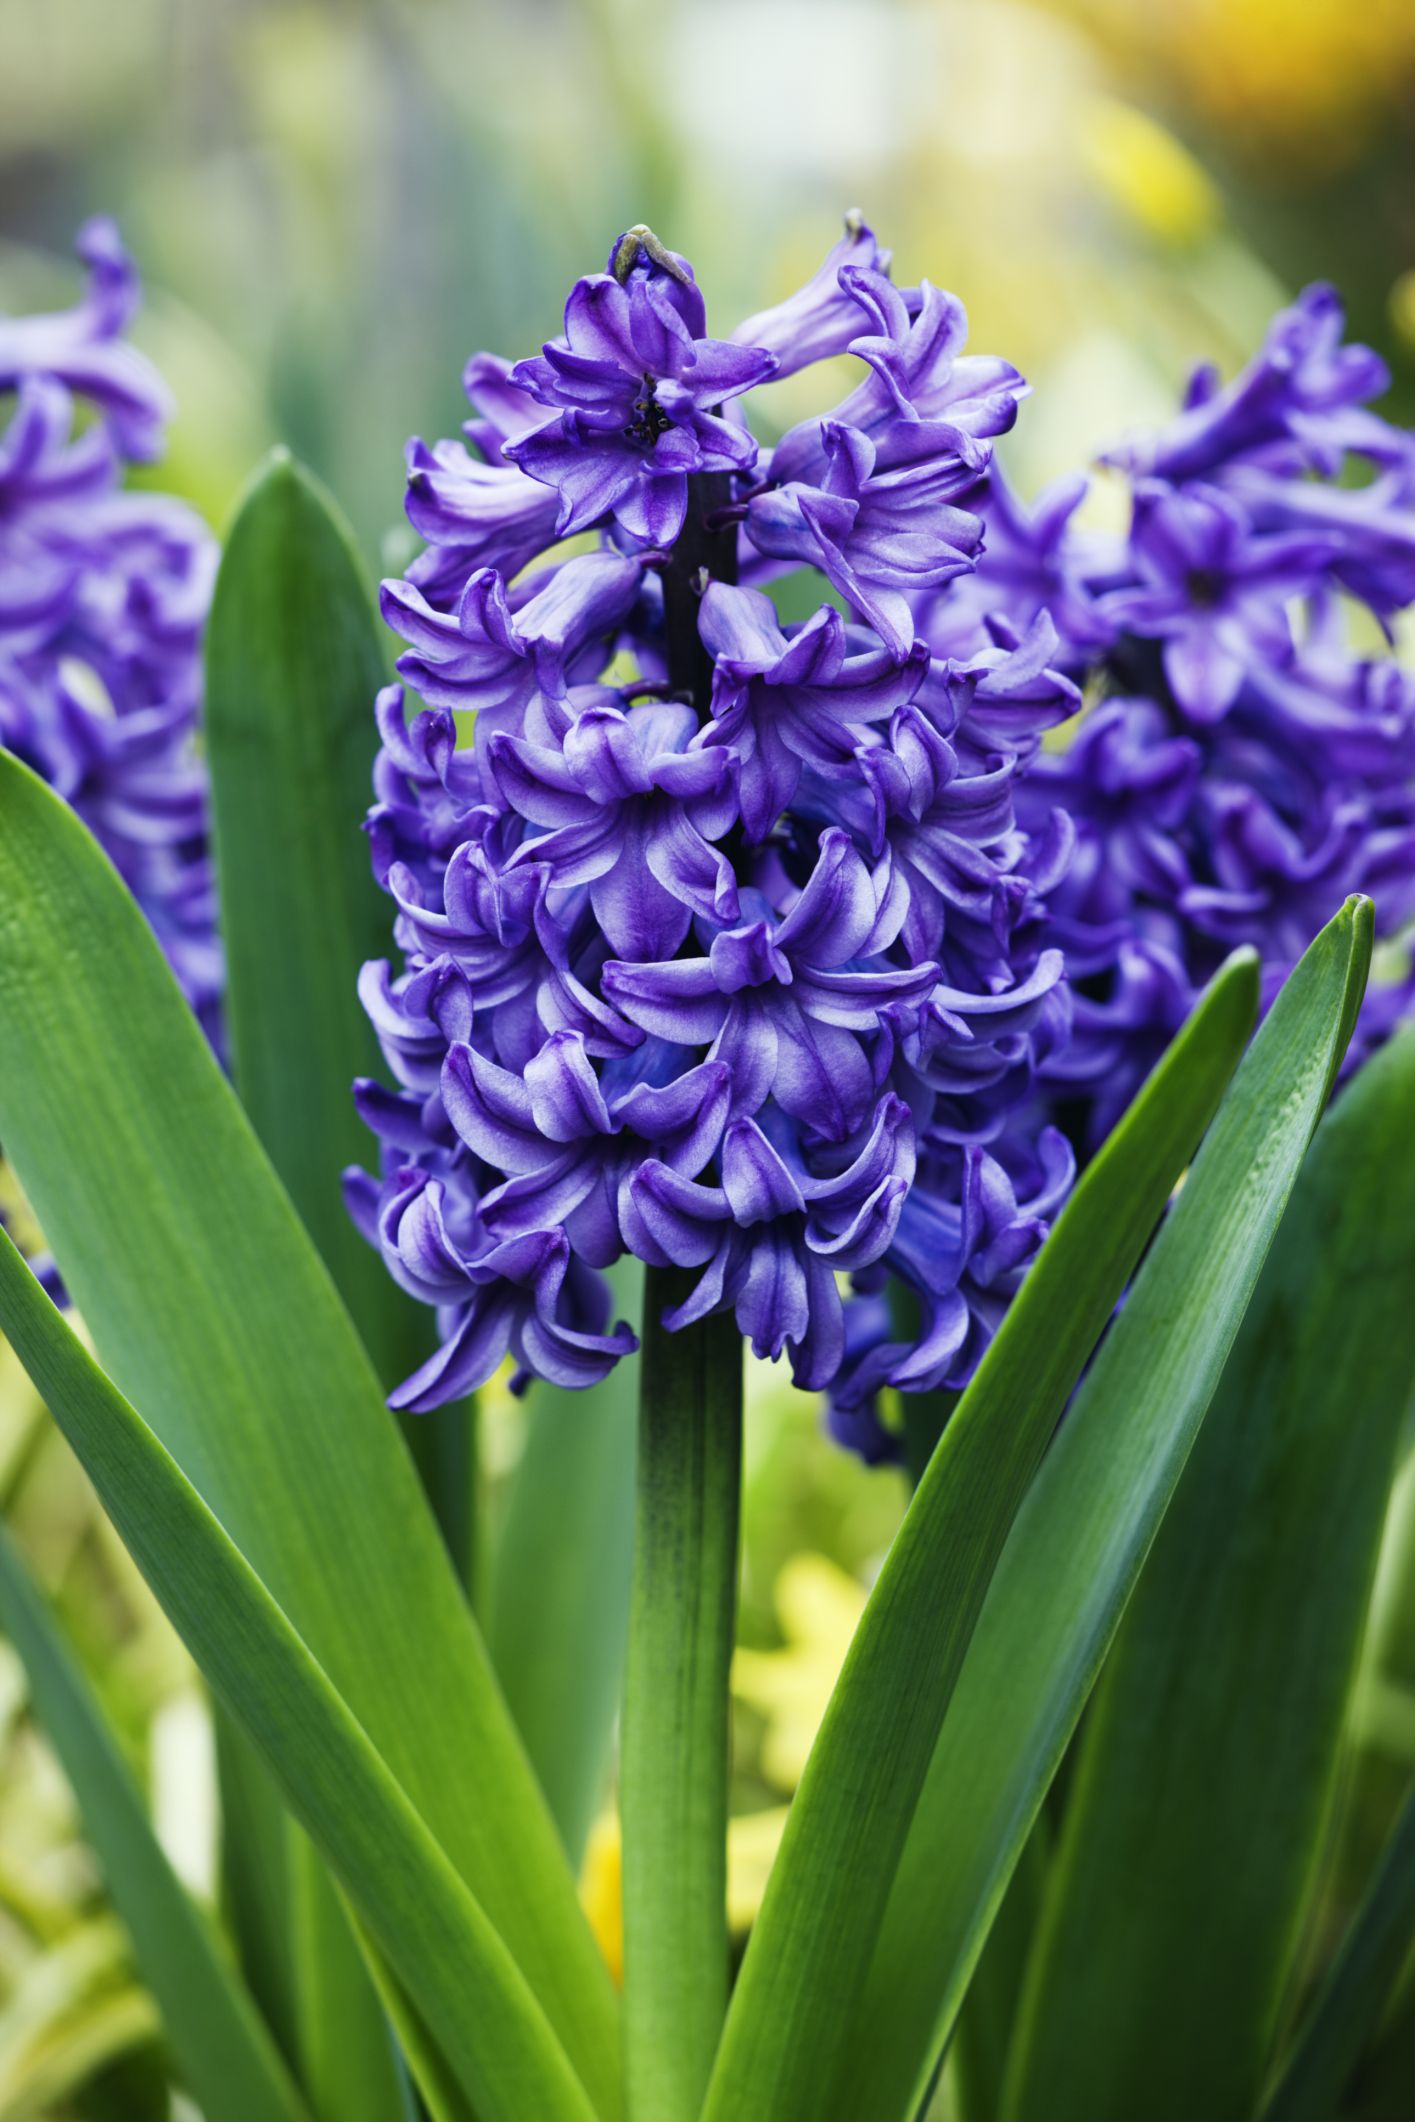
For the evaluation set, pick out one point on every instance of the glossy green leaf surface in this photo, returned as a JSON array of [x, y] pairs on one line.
[[1202, 1790], [210, 1308], [418, 1912], [293, 661], [789, 2024], [221, 2045], [1085, 1529]]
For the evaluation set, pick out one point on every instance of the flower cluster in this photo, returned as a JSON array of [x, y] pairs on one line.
[[103, 597], [1248, 755], [721, 944]]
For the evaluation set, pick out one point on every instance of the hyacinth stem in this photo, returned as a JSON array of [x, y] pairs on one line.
[[674, 1765]]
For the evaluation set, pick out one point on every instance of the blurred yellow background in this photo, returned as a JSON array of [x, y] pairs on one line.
[[334, 203]]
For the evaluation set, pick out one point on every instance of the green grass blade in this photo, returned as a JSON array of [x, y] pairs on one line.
[[434, 1934], [558, 1613], [1205, 1776], [788, 2026], [211, 1309], [220, 2043], [1084, 1531], [293, 661], [1356, 1990]]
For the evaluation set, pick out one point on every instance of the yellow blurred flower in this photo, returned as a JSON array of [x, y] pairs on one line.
[[1147, 173], [602, 1891], [819, 1608], [1304, 78]]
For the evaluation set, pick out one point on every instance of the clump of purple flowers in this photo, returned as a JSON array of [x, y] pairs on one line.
[[103, 597], [1248, 756], [722, 944]]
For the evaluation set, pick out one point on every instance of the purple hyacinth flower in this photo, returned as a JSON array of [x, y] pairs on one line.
[[501, 650], [84, 349], [771, 1238], [822, 317], [631, 801], [782, 1002], [519, 1295], [103, 601], [780, 703], [663, 865], [1304, 388], [919, 369], [1243, 770], [570, 1151], [636, 389], [1033, 561], [882, 524], [1211, 590], [967, 1232]]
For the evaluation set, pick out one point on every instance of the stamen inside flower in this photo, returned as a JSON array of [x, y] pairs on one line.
[[650, 420], [1205, 586]]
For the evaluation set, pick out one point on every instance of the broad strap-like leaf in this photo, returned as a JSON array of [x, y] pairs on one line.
[[293, 661], [217, 2036], [788, 2025], [1083, 1533], [418, 1912], [1205, 1774], [1358, 1985], [211, 1309]]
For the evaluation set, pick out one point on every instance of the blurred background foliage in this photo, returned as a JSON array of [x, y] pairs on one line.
[[333, 204]]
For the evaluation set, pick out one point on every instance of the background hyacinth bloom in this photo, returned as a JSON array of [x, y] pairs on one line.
[[103, 599], [1248, 760], [720, 931]]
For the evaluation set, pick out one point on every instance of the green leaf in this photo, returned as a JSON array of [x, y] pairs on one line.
[[1205, 1774], [216, 2035], [1084, 1531], [788, 2027], [436, 2084], [211, 1308], [418, 1912], [558, 1614], [293, 661], [346, 2056], [983, 2035], [1358, 1985], [257, 1835]]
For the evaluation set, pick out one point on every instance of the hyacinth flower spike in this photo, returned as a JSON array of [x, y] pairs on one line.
[[724, 945]]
